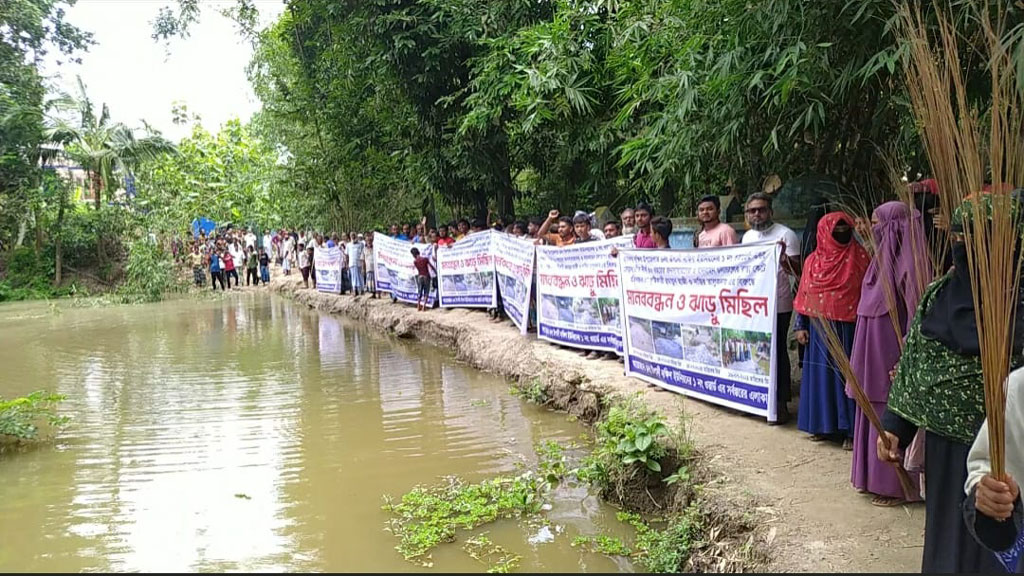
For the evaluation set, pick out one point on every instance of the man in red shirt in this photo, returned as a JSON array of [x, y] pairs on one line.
[[443, 239], [229, 268], [423, 266]]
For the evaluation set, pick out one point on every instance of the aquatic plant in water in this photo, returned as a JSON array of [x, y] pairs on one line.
[[497, 559], [20, 417], [430, 515]]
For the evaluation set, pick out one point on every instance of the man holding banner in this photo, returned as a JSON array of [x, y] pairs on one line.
[[759, 216]]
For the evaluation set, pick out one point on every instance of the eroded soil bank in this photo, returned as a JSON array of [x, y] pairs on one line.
[[797, 492]]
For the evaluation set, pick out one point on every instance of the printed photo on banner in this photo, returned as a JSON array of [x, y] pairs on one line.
[[396, 272], [327, 263], [466, 272], [700, 322], [513, 266], [578, 295]]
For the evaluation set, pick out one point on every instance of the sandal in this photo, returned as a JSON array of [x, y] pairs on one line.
[[887, 501], [818, 437], [847, 444]]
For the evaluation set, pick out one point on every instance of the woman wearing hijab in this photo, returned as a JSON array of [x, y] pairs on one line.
[[830, 292], [938, 386], [889, 296]]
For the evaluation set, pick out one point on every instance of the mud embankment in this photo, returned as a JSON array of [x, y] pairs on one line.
[[787, 495]]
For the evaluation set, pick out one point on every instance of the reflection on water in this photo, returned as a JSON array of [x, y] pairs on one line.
[[252, 434]]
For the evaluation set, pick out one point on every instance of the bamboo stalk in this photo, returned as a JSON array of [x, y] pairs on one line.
[[842, 362]]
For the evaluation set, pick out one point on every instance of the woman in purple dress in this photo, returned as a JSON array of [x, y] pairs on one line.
[[892, 287]]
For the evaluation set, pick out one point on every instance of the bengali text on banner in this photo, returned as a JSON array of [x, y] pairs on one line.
[[700, 322], [466, 272], [395, 270], [327, 263], [578, 295], [513, 263]]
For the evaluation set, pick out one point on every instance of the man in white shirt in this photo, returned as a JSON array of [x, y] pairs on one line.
[[287, 253], [267, 240], [250, 239], [759, 216], [354, 249]]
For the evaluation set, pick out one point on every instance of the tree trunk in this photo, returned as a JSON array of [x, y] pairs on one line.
[[97, 188], [38, 218], [58, 237]]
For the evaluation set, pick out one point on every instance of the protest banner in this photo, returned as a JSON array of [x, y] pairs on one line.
[[513, 265], [578, 295], [700, 322], [395, 270], [327, 263], [466, 272]]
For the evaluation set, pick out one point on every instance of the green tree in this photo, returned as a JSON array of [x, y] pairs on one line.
[[105, 149]]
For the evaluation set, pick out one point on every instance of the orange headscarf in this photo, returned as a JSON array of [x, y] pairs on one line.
[[831, 281]]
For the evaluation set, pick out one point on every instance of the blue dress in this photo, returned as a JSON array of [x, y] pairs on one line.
[[824, 406]]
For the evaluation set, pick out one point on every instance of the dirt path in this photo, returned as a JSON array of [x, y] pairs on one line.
[[821, 524]]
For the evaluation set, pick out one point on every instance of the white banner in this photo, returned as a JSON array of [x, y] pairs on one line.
[[327, 263], [466, 272], [700, 322], [513, 263], [395, 270], [578, 295]]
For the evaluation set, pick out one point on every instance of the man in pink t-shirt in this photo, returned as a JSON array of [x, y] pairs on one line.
[[713, 232], [642, 233]]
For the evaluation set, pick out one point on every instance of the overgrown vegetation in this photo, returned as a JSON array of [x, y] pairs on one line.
[[668, 549], [430, 515], [149, 274], [630, 444], [20, 418]]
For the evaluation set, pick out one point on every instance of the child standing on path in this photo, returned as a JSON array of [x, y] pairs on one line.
[[250, 267], [423, 268], [264, 261], [196, 259]]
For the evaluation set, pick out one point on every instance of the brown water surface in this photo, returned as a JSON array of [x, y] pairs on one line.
[[248, 433]]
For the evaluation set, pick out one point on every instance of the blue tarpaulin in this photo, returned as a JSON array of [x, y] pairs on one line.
[[204, 224]]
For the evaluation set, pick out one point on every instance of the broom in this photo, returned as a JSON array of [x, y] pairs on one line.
[[842, 363], [962, 151]]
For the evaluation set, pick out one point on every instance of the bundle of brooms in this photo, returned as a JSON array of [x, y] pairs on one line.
[[970, 140]]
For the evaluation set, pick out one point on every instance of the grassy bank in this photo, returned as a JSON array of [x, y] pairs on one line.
[[686, 518]]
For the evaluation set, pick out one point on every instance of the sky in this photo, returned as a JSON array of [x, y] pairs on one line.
[[137, 78]]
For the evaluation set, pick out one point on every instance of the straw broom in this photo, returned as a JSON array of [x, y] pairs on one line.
[[962, 151], [842, 363]]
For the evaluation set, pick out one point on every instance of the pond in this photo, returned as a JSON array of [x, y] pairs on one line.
[[249, 433]]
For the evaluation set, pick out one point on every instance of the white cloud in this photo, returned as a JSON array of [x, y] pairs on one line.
[[137, 78]]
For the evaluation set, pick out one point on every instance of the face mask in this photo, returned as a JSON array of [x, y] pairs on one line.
[[843, 236]]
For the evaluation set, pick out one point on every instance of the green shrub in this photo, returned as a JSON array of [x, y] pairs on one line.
[[629, 443], [29, 277], [20, 417], [149, 273]]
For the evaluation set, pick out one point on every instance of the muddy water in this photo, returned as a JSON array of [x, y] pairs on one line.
[[248, 433]]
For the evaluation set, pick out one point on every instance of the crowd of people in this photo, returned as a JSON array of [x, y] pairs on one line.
[[911, 342]]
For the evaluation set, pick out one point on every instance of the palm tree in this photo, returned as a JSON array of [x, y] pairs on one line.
[[105, 149]]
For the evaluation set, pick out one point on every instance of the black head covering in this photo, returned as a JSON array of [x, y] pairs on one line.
[[810, 242], [951, 318]]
